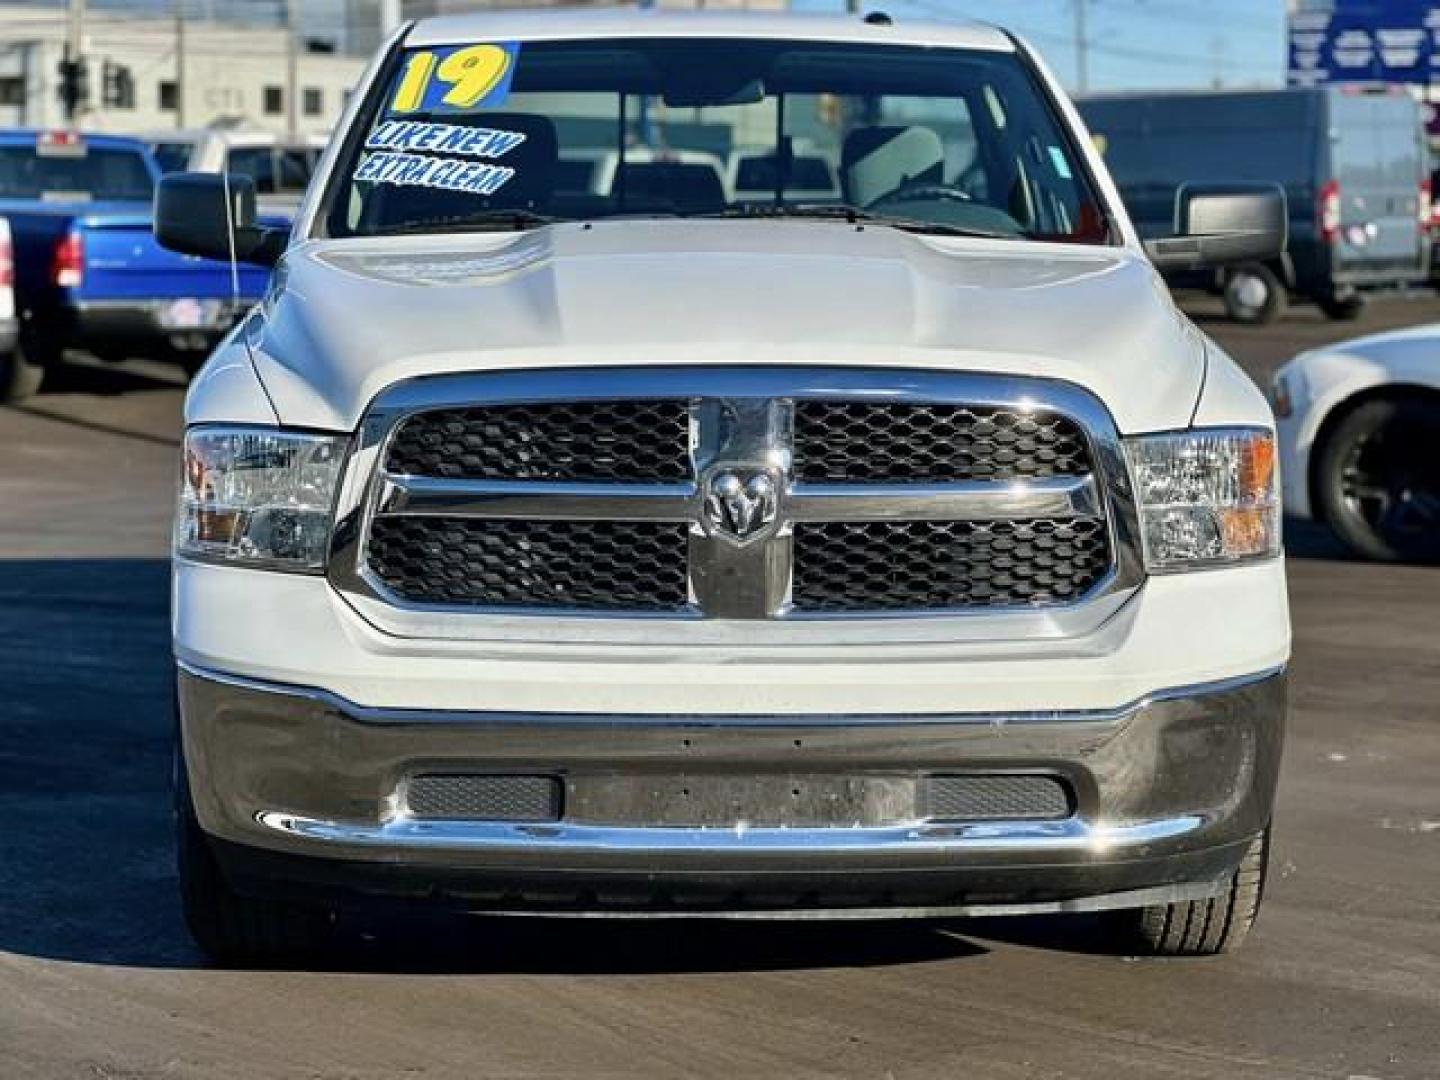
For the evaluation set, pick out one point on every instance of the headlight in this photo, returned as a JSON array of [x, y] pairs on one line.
[[258, 497], [1206, 497]]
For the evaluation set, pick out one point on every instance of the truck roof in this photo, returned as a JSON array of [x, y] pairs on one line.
[[554, 24], [243, 138], [27, 136]]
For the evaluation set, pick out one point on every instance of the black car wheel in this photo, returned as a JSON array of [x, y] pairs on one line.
[[19, 378], [230, 927], [1199, 927], [1253, 294], [1378, 479], [1343, 308]]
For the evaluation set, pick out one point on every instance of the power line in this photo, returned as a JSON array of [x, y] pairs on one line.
[[1085, 46], [1149, 8]]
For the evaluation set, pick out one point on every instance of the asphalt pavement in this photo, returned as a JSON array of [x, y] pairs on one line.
[[98, 980]]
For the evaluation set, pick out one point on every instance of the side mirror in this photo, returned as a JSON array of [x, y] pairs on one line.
[[1223, 225], [193, 217]]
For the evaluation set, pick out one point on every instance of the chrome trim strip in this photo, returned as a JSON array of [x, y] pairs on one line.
[[975, 500], [1071, 834], [381, 715], [764, 618], [534, 500]]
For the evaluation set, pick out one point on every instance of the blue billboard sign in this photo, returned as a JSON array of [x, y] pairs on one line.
[[1366, 40]]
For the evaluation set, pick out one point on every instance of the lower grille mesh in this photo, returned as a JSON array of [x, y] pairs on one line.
[[996, 798], [496, 797], [904, 565], [598, 565], [484, 798]]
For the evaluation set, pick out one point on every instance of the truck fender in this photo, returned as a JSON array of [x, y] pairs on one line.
[[228, 389]]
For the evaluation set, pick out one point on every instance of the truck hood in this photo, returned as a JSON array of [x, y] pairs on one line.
[[345, 319]]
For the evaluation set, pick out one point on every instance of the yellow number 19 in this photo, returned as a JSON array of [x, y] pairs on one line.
[[472, 73]]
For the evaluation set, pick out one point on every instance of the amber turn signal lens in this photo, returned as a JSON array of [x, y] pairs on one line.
[[1257, 467]]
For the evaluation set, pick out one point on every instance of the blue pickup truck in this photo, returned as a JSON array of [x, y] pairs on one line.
[[88, 274]]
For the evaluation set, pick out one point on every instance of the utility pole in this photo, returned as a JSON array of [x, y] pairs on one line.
[[389, 18], [75, 31], [1082, 46], [179, 63], [292, 70], [74, 78]]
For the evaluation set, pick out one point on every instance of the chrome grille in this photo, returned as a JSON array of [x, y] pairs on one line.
[[929, 442], [581, 565], [915, 565], [585, 441], [784, 496]]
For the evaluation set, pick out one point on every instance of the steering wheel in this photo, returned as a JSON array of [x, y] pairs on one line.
[[922, 193]]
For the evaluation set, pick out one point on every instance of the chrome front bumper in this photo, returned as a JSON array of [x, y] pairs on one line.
[[300, 788]]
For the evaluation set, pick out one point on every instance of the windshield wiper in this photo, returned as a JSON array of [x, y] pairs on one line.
[[854, 215], [480, 221]]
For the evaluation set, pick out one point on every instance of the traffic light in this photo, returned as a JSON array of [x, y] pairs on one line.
[[117, 86], [74, 86]]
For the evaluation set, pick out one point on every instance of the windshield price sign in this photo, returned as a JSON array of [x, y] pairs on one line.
[[459, 78]]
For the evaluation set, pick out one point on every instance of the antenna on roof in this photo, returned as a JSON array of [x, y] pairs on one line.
[[879, 18]]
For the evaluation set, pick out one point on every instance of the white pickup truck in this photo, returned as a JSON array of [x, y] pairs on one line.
[[547, 551]]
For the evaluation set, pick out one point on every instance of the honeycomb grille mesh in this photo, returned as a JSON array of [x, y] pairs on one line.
[[912, 565], [868, 442], [606, 565], [996, 798], [628, 441], [484, 798]]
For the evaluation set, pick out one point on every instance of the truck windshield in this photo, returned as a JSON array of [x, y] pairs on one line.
[[172, 157], [514, 134], [75, 174]]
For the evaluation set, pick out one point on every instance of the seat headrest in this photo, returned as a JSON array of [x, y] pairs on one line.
[[684, 187], [535, 161], [876, 161]]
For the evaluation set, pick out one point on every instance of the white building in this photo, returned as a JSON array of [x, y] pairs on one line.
[[363, 18], [145, 74]]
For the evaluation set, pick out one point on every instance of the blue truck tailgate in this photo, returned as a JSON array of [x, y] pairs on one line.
[[122, 261]]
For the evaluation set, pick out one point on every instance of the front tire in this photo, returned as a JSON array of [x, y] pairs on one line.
[[1203, 927], [231, 928], [1377, 479], [1254, 295], [1343, 309], [19, 378]]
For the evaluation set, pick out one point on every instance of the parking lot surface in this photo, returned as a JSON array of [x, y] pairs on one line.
[[98, 979]]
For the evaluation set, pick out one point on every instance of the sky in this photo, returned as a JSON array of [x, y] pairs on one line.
[[1134, 44]]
